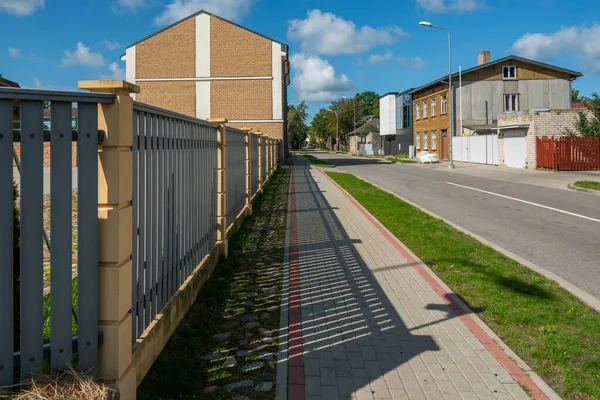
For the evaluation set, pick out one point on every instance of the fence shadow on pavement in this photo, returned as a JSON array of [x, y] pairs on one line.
[[354, 340]]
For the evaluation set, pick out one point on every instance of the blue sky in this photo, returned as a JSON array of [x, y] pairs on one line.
[[338, 47]]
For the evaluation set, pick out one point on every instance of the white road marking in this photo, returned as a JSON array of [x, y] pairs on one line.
[[526, 202]]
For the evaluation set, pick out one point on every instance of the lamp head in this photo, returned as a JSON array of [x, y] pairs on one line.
[[425, 23]]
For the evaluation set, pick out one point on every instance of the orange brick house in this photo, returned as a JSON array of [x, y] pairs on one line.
[[207, 67]]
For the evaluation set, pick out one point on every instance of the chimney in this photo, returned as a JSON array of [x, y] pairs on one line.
[[483, 57]]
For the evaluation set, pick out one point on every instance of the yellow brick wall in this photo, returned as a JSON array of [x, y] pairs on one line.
[[178, 96], [237, 52], [169, 54], [239, 99], [271, 129]]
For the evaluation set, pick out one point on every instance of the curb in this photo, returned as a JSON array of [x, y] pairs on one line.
[[537, 380], [579, 189]]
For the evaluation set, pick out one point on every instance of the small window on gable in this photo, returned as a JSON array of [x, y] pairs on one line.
[[509, 72]]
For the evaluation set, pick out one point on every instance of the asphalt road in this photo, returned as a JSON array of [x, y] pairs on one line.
[[563, 238]]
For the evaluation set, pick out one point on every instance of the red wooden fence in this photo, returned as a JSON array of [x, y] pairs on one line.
[[568, 153]]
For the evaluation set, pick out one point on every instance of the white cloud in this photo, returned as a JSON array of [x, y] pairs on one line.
[[84, 57], [116, 72], [21, 7], [111, 45], [314, 79], [14, 52], [442, 6], [131, 5], [412, 62], [377, 58], [326, 33], [582, 42], [179, 9], [37, 84]]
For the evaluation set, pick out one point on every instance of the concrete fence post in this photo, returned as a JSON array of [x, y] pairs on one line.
[[115, 227], [260, 162], [221, 186]]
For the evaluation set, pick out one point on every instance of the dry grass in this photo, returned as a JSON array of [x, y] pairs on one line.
[[66, 385]]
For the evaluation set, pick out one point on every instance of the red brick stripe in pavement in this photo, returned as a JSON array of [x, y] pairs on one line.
[[511, 367]]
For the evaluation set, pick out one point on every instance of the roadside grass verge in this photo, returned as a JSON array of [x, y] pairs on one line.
[[317, 161], [245, 287], [594, 185], [554, 332], [402, 160]]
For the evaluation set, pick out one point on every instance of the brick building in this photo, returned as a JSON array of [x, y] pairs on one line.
[[207, 67]]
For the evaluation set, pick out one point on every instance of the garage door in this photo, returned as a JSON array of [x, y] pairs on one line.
[[515, 149]]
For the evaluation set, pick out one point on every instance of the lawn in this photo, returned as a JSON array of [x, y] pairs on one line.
[[317, 161], [554, 332], [594, 185]]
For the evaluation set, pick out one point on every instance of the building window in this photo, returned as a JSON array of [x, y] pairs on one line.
[[406, 100], [444, 104], [418, 141], [424, 109], [433, 107], [425, 144], [433, 140], [418, 110], [511, 103], [509, 72]]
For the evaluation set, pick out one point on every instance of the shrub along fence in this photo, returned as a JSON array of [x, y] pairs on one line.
[[160, 193]]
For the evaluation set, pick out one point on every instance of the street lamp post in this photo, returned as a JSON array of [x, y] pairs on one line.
[[354, 107], [337, 128], [430, 25]]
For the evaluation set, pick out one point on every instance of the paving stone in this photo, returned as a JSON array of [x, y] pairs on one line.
[[251, 325], [268, 290], [222, 336], [230, 362], [265, 316], [230, 324], [253, 366], [266, 355], [241, 398], [242, 353], [210, 389], [267, 340], [243, 342], [246, 384], [265, 332], [249, 318], [264, 387], [213, 356]]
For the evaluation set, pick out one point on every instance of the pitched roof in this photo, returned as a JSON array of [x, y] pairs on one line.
[[372, 122], [574, 74], [207, 13], [7, 83]]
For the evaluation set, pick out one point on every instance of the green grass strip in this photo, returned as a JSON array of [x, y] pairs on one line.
[[317, 161], [594, 185], [554, 332]]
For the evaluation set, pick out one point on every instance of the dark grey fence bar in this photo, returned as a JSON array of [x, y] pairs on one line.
[[264, 160], [26, 358], [174, 205], [254, 163], [236, 173], [6, 244]]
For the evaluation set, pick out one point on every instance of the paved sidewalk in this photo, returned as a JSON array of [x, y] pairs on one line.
[[372, 325]]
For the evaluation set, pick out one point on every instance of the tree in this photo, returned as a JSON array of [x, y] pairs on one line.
[[368, 102], [319, 127], [586, 125], [575, 96], [297, 128]]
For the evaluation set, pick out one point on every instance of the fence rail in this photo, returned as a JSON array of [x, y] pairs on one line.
[[174, 205], [22, 343], [568, 153]]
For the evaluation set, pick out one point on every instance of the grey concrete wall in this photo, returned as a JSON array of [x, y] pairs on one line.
[[482, 101], [398, 143]]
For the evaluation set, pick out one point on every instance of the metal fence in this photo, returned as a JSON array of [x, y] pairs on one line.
[[264, 160], [22, 345], [174, 205], [235, 165], [254, 164]]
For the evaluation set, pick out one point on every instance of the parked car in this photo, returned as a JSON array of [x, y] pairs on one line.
[[426, 157]]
